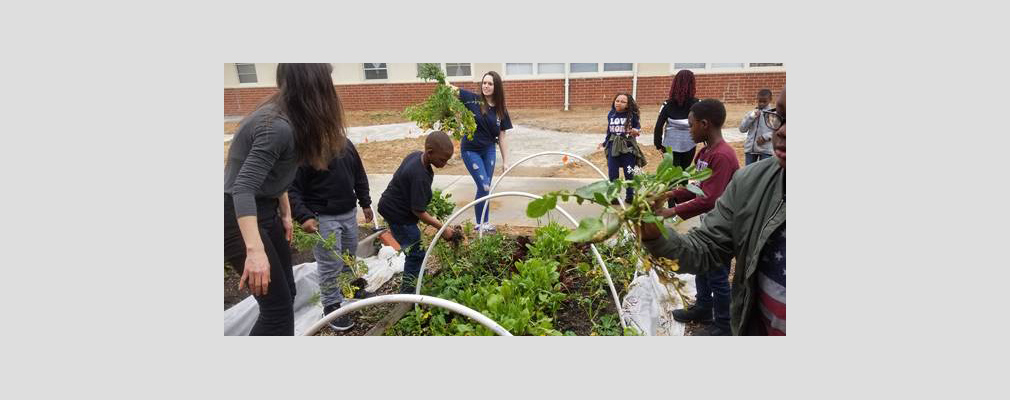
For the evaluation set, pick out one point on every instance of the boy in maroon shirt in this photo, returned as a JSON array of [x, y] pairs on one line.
[[705, 120]]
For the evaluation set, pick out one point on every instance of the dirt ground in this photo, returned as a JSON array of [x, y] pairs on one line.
[[385, 157]]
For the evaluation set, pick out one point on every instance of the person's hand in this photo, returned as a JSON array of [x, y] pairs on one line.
[[311, 225], [289, 228], [635, 132], [659, 204], [368, 214], [256, 274], [761, 140], [447, 233]]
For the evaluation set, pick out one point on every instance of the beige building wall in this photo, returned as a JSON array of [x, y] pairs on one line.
[[653, 69], [266, 76], [354, 73]]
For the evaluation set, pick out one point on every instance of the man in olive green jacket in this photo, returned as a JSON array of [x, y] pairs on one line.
[[742, 224]]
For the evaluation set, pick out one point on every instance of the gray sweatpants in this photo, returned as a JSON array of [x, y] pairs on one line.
[[345, 227]]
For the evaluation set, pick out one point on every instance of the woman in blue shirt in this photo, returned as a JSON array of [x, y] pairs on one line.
[[478, 154]]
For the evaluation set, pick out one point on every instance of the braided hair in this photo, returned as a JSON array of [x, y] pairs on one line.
[[682, 88]]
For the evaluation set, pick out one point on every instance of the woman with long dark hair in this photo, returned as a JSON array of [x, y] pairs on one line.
[[478, 155], [301, 124]]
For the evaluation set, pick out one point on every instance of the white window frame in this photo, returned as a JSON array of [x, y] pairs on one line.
[[746, 68], [445, 70], [568, 70], [535, 75], [255, 74], [364, 75], [600, 72]]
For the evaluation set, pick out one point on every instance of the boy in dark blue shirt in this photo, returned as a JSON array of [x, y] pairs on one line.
[[405, 201]]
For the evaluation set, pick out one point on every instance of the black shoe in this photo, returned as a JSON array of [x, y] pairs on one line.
[[713, 330], [693, 314], [342, 323]]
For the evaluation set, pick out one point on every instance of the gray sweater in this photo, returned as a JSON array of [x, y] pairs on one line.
[[261, 161], [755, 127]]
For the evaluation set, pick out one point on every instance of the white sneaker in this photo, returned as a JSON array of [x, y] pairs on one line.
[[486, 228]]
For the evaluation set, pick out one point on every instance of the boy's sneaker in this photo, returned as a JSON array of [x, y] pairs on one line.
[[692, 314], [486, 228], [342, 323]]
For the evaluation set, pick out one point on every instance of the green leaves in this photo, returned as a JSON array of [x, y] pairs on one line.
[[440, 207], [430, 71], [589, 191], [588, 227], [443, 107], [695, 189], [537, 208]]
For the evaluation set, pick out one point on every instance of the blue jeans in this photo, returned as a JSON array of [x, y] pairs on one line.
[[345, 228], [751, 158], [622, 162], [713, 287], [480, 164], [409, 238]]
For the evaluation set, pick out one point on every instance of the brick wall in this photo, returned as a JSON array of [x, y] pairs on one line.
[[652, 90]]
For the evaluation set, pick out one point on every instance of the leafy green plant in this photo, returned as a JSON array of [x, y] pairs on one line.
[[442, 107], [490, 255], [549, 242], [524, 304], [608, 326], [349, 283], [440, 206], [648, 188]]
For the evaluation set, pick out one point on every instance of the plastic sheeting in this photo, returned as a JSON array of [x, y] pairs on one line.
[[649, 305], [240, 318]]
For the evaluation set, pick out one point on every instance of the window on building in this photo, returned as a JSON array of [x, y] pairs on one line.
[[457, 69], [519, 68], [551, 68], [584, 67], [689, 66], [246, 73], [727, 65], [617, 67], [765, 64], [375, 71]]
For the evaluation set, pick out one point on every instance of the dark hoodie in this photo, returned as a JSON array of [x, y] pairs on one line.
[[330, 192]]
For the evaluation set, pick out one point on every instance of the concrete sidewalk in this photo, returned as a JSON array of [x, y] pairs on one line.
[[504, 210], [522, 141]]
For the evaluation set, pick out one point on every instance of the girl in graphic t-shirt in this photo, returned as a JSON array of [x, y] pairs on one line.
[[620, 147]]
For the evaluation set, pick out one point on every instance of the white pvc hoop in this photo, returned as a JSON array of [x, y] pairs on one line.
[[410, 298], [596, 253], [494, 184]]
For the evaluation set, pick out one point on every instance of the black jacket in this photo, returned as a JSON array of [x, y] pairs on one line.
[[330, 192], [670, 110]]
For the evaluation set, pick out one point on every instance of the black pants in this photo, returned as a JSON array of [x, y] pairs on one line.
[[683, 159], [277, 315]]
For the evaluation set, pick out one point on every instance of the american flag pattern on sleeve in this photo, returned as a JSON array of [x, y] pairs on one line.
[[771, 278]]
